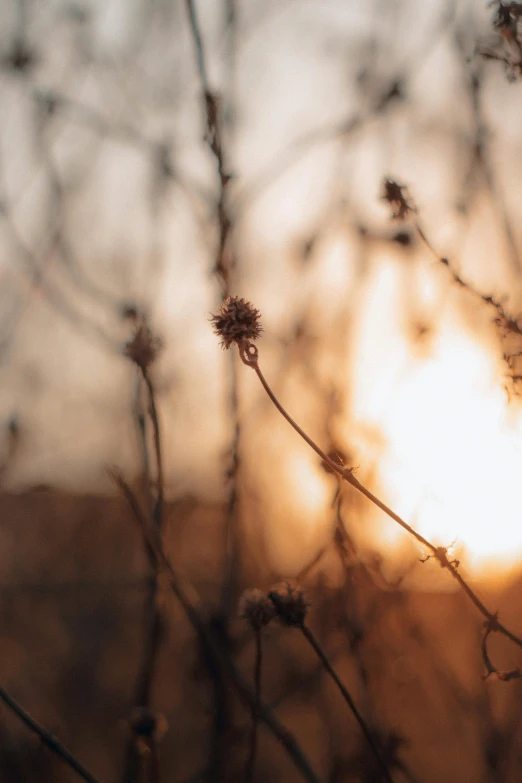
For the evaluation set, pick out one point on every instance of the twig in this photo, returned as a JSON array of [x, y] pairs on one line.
[[47, 738]]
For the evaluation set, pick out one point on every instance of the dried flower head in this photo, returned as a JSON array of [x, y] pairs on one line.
[[257, 608], [144, 347], [397, 196], [237, 320], [148, 727], [505, 19], [290, 604]]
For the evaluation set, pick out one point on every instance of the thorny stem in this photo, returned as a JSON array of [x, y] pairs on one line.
[[348, 699], [249, 770], [223, 660], [47, 738], [249, 355]]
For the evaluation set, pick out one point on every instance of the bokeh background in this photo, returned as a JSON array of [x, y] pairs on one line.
[[110, 203]]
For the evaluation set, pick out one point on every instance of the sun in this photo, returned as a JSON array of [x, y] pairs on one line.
[[452, 452]]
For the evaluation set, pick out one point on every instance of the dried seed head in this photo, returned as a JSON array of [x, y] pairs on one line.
[[256, 608], [236, 321], [144, 347], [290, 604], [397, 196], [148, 727]]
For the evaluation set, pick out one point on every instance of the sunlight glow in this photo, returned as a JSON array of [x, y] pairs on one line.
[[312, 492], [453, 446]]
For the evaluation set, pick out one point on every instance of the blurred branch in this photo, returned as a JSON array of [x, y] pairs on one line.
[[49, 740], [393, 91], [223, 269], [403, 208], [224, 263], [198, 43], [143, 350], [13, 440], [59, 240], [505, 322], [51, 102], [160, 478], [481, 160], [35, 271]]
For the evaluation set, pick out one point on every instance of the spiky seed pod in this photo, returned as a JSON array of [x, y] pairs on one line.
[[236, 321]]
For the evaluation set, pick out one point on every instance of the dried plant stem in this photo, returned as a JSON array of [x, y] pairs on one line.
[[198, 43], [134, 760], [160, 479], [224, 267], [249, 355], [47, 738], [211, 644], [348, 699], [141, 426], [249, 770]]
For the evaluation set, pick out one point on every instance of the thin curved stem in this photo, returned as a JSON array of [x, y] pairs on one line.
[[348, 699]]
